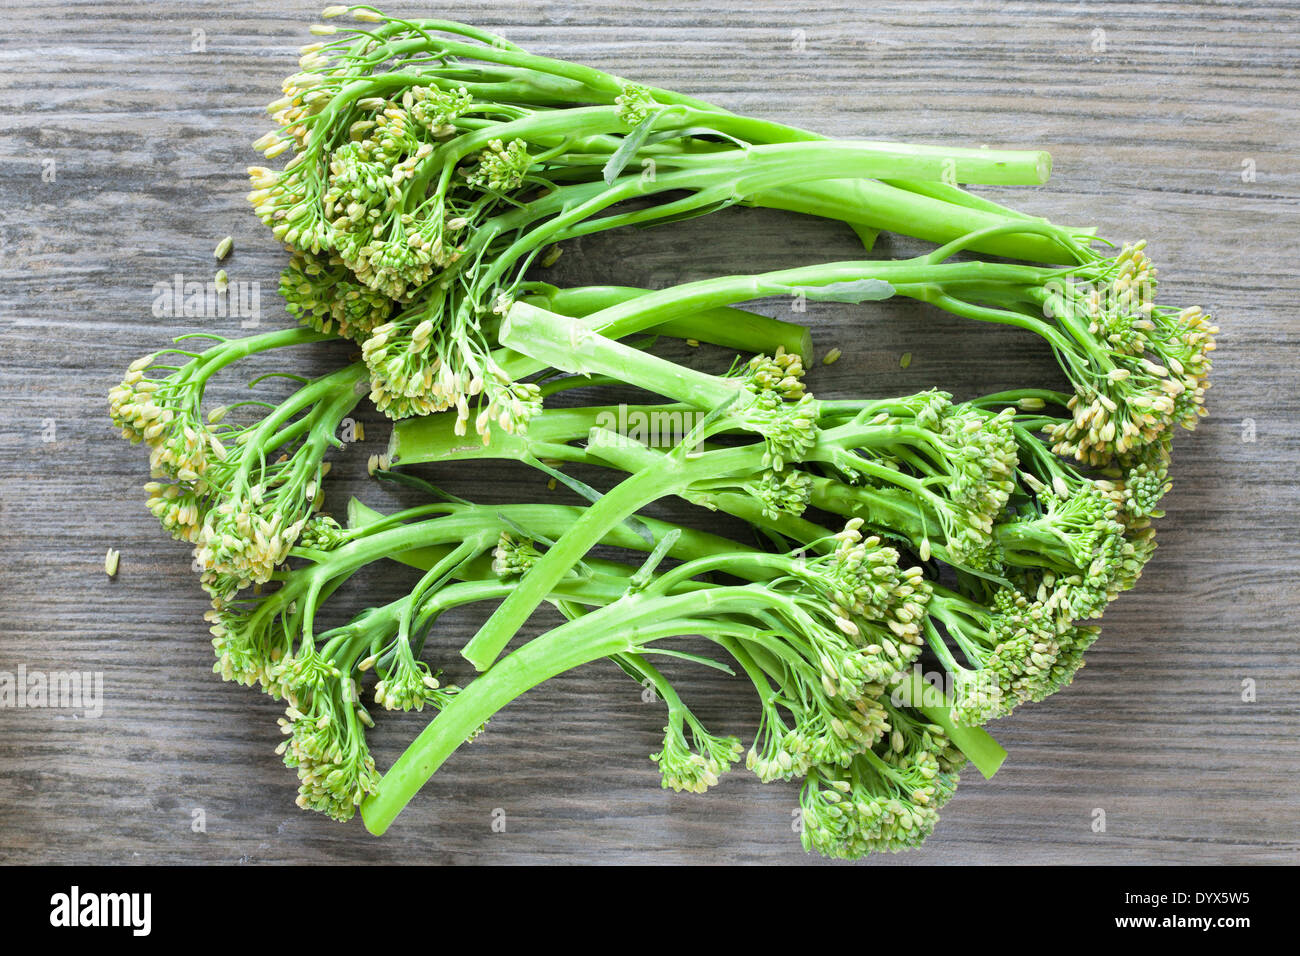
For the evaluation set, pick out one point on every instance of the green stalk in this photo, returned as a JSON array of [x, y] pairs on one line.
[[636, 622], [688, 298], [919, 278], [564, 648], [901, 515], [549, 521], [904, 161], [977, 744], [561, 342], [432, 439], [331, 396], [710, 180], [202, 366], [632, 624], [625, 500], [504, 73], [874, 160], [901, 160], [520, 77], [955, 195], [726, 327], [670, 475]]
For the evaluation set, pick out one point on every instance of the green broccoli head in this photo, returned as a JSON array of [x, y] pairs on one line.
[[887, 799]]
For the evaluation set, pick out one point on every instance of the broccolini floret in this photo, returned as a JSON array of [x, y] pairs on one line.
[[242, 494]]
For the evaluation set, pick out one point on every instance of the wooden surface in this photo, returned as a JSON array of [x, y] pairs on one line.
[[1150, 137]]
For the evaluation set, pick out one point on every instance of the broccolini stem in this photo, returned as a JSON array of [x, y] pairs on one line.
[[331, 397], [875, 160], [719, 177], [631, 456], [993, 167], [670, 475], [918, 277], [631, 626], [561, 649], [979, 747], [517, 76], [726, 327], [229, 351], [561, 342], [596, 521], [551, 521]]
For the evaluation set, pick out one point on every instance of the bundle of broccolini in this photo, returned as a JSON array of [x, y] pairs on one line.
[[432, 165]]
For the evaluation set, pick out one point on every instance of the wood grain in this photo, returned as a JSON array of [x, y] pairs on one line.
[[1150, 136]]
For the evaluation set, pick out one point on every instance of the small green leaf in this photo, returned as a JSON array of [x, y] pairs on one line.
[[411, 481], [692, 132], [693, 658], [643, 575], [631, 144]]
